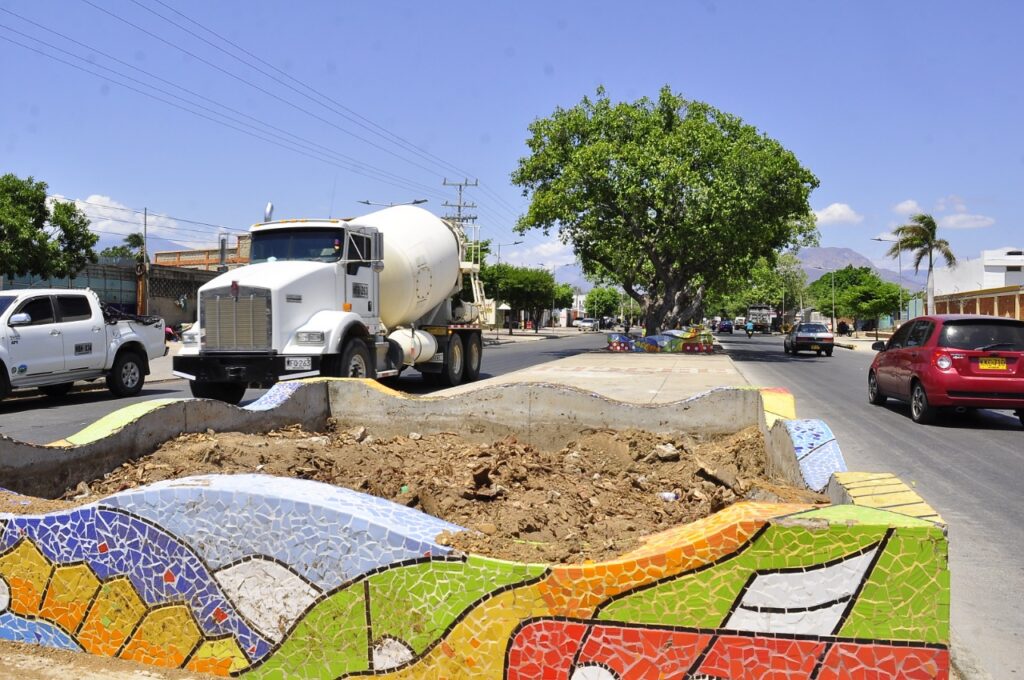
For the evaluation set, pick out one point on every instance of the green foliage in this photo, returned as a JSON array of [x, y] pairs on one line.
[[564, 295], [666, 198], [859, 293], [602, 302], [133, 246], [872, 300], [41, 239], [766, 284], [523, 288]]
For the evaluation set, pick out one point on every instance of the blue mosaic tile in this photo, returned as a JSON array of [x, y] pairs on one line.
[[17, 629]]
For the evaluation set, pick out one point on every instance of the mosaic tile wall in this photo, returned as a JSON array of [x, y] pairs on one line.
[[689, 341], [278, 578]]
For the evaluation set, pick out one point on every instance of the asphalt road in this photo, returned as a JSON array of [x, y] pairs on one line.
[[970, 468], [40, 420]]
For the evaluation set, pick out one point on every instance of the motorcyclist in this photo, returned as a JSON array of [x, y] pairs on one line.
[[843, 328], [750, 328]]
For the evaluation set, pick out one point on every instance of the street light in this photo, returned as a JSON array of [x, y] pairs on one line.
[[833, 273], [899, 264], [499, 245], [554, 268], [415, 201]]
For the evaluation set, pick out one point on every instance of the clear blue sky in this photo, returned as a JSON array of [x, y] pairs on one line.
[[896, 106]]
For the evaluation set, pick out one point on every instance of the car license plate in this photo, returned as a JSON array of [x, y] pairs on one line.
[[815, 347], [992, 363], [298, 363]]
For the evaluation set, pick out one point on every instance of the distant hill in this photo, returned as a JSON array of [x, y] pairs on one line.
[[818, 262]]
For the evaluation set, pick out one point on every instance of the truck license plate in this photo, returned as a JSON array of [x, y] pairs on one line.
[[992, 363], [815, 347], [298, 363]]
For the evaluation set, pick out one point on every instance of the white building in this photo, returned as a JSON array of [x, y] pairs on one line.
[[998, 268]]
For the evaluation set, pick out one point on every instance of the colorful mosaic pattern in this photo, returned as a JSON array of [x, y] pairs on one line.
[[817, 451], [279, 578], [694, 340]]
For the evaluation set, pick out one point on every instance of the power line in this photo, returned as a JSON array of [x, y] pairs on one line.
[[284, 144]]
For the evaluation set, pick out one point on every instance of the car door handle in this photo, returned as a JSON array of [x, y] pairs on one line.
[[96, 329], [55, 332]]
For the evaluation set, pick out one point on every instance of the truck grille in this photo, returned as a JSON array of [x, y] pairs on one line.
[[239, 322]]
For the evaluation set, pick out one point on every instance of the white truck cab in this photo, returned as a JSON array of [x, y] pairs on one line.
[[51, 338]]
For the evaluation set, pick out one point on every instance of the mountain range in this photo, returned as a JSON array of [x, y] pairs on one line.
[[818, 262]]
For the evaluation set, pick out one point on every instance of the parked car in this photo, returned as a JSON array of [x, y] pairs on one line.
[[814, 337], [725, 326], [51, 338], [952, 360], [587, 324]]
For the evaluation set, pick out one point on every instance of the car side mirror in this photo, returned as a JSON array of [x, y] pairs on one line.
[[878, 346], [21, 319]]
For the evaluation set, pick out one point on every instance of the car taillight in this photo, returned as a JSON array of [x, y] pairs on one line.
[[827, 336], [942, 361]]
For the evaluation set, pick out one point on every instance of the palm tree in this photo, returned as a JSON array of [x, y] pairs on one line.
[[920, 238]]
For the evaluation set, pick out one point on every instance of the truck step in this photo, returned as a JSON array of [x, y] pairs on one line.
[[387, 374]]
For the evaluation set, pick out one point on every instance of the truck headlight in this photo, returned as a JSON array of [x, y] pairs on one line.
[[309, 337]]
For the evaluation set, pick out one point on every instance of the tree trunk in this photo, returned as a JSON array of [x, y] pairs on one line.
[[931, 287]]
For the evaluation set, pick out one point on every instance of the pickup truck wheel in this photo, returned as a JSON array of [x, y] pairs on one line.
[[474, 356], [228, 392], [127, 375], [56, 391], [355, 360], [454, 360], [5, 386]]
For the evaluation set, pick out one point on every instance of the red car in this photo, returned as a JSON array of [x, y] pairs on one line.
[[956, 360]]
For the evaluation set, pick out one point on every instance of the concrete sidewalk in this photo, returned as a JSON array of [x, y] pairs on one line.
[[632, 377]]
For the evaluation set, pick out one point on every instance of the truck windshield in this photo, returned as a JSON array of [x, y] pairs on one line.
[[319, 245], [5, 302]]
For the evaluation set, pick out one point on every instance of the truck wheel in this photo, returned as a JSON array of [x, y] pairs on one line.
[[228, 392], [474, 356], [454, 360], [355, 361], [56, 391], [127, 375], [5, 386]]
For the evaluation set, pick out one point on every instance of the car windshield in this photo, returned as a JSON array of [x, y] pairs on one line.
[[318, 245], [5, 302], [983, 335], [812, 328]]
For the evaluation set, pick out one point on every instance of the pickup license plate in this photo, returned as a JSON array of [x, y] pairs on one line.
[[815, 347], [298, 363], [992, 363]]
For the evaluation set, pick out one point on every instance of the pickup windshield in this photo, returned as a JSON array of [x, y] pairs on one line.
[[5, 302], [318, 245], [983, 335]]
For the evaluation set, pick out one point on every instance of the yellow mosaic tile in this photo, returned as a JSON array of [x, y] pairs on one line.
[[111, 618], [218, 657], [26, 571], [164, 638], [68, 596], [885, 491]]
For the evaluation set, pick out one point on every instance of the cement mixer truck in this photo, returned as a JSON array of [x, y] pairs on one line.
[[365, 297]]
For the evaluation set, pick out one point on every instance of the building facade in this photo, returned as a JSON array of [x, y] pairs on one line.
[[991, 284]]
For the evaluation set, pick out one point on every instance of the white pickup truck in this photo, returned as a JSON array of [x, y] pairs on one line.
[[50, 338]]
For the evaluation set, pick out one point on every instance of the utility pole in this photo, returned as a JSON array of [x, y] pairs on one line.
[[145, 260], [460, 204]]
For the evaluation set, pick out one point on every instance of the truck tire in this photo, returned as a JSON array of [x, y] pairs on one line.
[[228, 392], [127, 375], [454, 361], [474, 356], [355, 360], [5, 385], [56, 391]]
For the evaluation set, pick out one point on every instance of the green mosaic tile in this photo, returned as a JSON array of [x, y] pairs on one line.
[[329, 641], [417, 603], [906, 596]]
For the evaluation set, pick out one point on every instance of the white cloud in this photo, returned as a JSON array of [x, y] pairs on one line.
[[951, 202], [907, 207], [838, 213], [964, 220], [545, 254], [108, 216]]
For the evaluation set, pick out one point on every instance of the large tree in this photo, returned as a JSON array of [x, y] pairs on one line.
[[665, 198], [39, 237], [921, 238], [602, 302], [523, 288], [133, 247]]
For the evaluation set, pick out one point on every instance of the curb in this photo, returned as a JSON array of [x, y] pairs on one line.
[[844, 345]]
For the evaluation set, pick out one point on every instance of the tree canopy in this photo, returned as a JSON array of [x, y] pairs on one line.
[[767, 283], [133, 247], [39, 237], [602, 302], [523, 288], [665, 198], [859, 293]]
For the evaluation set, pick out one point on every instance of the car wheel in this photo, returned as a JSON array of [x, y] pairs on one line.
[[828, 352], [355, 360], [875, 395], [1020, 415], [56, 391], [127, 375], [228, 392], [818, 352], [920, 411]]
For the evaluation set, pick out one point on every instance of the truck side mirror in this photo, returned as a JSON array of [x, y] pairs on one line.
[[21, 319], [378, 266], [878, 346]]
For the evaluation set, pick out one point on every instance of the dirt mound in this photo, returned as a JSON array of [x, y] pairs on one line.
[[594, 499]]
